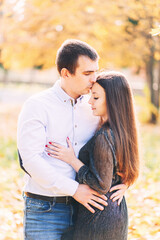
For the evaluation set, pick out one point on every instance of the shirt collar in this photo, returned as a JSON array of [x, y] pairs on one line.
[[63, 96]]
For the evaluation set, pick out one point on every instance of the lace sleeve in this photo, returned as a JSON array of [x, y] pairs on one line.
[[98, 175]]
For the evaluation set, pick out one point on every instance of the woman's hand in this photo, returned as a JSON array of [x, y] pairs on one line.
[[60, 152], [118, 195]]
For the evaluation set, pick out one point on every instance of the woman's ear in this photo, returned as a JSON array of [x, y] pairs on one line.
[[65, 73]]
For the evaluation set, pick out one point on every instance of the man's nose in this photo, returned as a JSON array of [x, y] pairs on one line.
[[93, 78]]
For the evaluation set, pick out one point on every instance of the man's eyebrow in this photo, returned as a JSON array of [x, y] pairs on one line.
[[94, 93], [90, 71]]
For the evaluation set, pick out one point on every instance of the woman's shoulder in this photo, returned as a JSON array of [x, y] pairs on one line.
[[104, 130], [105, 133]]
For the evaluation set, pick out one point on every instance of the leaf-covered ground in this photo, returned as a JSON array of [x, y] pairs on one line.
[[143, 198]]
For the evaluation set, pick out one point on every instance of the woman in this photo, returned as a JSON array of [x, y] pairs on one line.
[[109, 158]]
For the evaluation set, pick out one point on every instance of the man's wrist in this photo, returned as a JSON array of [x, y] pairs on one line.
[[75, 190]]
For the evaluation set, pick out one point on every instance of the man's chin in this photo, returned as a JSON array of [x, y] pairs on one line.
[[86, 91]]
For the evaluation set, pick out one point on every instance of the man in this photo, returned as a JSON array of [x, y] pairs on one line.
[[53, 115]]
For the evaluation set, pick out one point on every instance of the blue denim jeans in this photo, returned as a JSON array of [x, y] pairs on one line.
[[44, 220]]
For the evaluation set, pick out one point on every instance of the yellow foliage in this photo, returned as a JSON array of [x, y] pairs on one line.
[[145, 107], [105, 24], [155, 31], [157, 56]]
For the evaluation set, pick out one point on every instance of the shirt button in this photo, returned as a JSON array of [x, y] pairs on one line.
[[64, 100], [75, 143], [75, 126]]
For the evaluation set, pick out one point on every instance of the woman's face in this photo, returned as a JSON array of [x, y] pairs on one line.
[[98, 101]]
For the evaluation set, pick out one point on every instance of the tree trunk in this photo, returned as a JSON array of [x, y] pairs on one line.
[[154, 93], [158, 94]]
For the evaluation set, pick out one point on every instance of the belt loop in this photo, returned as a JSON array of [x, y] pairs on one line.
[[53, 202], [68, 200]]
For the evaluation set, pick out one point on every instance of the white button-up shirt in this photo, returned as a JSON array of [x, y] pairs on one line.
[[52, 115]]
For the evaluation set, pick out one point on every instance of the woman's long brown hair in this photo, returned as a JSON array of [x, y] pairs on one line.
[[121, 117]]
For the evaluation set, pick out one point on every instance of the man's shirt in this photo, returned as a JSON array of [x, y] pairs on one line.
[[52, 115]]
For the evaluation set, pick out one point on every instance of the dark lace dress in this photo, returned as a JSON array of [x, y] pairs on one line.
[[99, 172]]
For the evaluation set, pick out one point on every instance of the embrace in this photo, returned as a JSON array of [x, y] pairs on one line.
[[78, 145]]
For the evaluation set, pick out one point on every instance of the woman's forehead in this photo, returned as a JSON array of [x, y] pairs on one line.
[[97, 88]]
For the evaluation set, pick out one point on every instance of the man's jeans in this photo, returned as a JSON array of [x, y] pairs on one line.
[[44, 220]]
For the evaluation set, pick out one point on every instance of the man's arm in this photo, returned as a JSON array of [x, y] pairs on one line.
[[31, 140], [87, 196]]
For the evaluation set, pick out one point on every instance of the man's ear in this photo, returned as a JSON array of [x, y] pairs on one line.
[[65, 73]]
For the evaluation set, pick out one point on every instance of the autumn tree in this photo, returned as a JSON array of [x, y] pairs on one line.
[[119, 30], [139, 17]]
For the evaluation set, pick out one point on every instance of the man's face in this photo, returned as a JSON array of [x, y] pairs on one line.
[[84, 77]]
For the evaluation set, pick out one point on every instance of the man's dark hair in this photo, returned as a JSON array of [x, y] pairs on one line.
[[69, 52]]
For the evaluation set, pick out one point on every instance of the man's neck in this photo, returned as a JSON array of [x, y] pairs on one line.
[[68, 90]]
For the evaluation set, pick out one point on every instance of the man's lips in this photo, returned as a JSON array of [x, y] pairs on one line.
[[93, 108]]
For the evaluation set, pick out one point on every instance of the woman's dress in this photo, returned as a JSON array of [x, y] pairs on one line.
[[100, 173]]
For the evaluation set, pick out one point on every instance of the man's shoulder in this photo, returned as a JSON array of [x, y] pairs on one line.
[[36, 104], [41, 94], [40, 97]]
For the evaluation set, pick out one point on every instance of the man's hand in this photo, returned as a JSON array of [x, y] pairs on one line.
[[118, 195], [87, 196]]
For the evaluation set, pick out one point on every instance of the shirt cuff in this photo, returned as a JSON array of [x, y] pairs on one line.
[[81, 174], [71, 187]]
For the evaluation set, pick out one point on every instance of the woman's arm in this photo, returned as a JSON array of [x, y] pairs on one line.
[[98, 175], [65, 154]]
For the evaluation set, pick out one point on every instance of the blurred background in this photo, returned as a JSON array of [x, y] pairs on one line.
[[126, 34]]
